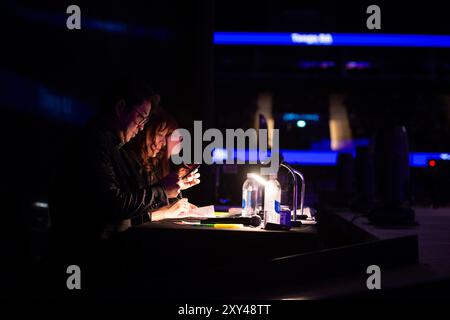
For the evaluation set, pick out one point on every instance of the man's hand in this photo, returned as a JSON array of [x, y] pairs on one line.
[[171, 185], [191, 180]]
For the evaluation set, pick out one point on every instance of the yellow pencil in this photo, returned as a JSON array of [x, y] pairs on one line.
[[221, 225]]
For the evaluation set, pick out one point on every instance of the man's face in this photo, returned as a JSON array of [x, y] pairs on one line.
[[134, 121]]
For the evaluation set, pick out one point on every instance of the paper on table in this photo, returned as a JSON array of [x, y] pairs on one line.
[[202, 212]]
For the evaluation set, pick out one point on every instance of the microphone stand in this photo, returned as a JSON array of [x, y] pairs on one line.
[[294, 174]]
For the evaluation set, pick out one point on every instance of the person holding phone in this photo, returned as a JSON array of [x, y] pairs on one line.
[[94, 190], [151, 154]]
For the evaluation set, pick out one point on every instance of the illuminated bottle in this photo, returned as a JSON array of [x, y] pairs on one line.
[[249, 197], [272, 199]]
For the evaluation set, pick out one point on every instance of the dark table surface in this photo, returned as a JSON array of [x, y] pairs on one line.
[[169, 260], [232, 242]]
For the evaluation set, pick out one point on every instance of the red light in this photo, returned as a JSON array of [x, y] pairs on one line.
[[432, 163]]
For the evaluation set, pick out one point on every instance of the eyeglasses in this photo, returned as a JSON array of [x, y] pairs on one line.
[[143, 120]]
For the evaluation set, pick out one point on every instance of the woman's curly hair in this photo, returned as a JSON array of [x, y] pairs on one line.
[[156, 166]]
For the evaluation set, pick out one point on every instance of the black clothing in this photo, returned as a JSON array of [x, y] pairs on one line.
[[97, 188], [148, 179]]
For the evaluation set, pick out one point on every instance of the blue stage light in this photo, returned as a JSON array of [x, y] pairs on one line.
[[331, 39]]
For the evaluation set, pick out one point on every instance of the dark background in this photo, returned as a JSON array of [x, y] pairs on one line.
[[51, 79]]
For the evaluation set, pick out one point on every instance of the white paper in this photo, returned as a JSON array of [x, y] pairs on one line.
[[202, 212]]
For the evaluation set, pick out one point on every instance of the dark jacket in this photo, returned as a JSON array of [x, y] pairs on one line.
[[97, 188], [147, 179]]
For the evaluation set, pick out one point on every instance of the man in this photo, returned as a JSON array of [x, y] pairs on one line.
[[96, 189]]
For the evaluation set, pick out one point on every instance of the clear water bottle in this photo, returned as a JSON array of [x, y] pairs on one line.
[[249, 197], [272, 199], [260, 202]]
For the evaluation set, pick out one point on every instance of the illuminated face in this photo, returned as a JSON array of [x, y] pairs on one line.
[[134, 121], [156, 143]]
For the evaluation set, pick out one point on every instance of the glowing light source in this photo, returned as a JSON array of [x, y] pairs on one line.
[[40, 205], [295, 116], [258, 178], [432, 163], [301, 123], [351, 65], [322, 158], [331, 39]]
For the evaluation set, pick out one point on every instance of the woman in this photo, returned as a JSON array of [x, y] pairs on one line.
[[151, 155]]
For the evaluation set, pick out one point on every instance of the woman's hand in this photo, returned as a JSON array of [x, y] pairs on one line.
[[191, 180], [179, 209]]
